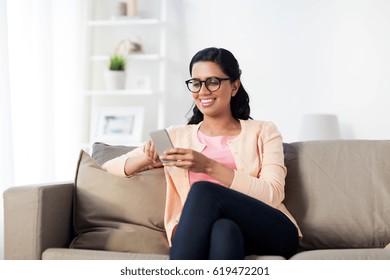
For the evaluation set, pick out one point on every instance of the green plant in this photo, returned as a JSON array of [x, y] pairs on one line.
[[117, 63]]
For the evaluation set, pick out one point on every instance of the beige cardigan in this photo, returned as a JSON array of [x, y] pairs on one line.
[[257, 152]]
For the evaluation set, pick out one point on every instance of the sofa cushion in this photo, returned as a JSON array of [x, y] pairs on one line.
[[84, 254], [339, 193], [116, 213], [344, 254], [102, 152]]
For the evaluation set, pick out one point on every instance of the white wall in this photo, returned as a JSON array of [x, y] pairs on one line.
[[297, 57]]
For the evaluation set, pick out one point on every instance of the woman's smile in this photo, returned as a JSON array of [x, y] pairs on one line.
[[206, 102]]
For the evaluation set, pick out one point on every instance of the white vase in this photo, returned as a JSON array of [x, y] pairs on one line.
[[115, 80], [131, 8]]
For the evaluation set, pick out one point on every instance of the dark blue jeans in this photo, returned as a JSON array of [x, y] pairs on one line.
[[220, 223]]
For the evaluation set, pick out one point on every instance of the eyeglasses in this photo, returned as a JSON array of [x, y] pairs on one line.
[[212, 84]]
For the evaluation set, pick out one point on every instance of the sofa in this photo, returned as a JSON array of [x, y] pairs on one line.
[[338, 191]]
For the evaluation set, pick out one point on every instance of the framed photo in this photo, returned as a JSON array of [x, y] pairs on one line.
[[119, 125]]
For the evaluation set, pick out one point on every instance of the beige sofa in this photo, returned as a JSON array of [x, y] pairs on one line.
[[339, 192]]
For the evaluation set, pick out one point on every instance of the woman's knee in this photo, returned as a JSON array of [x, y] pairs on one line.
[[203, 188], [200, 190]]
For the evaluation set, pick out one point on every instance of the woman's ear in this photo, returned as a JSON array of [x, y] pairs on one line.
[[235, 86]]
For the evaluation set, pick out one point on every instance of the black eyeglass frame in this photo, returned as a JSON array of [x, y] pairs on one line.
[[205, 83]]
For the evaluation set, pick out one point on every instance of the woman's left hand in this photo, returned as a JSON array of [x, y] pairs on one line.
[[187, 159], [198, 163]]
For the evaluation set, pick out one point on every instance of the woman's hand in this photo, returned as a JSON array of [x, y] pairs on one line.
[[199, 163], [187, 159], [151, 158], [147, 160]]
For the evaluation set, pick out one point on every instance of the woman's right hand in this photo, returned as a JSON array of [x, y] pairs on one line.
[[144, 161], [151, 157]]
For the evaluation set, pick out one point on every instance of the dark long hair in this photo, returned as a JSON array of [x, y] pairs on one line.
[[239, 104]]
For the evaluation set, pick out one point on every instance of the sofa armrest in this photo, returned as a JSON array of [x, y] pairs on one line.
[[37, 217]]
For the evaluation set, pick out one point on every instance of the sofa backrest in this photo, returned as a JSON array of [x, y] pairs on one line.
[[339, 192]]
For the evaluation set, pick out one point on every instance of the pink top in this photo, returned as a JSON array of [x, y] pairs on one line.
[[217, 149]]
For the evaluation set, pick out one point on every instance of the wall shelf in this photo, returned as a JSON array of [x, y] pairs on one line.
[[122, 22], [145, 73], [114, 93], [138, 56]]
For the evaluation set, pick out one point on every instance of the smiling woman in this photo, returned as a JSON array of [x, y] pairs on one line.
[[218, 202]]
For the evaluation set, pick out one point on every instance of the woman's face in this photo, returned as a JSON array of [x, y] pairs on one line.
[[216, 103]]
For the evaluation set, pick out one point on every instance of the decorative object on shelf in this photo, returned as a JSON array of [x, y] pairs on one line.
[[120, 125], [132, 8], [121, 9], [115, 77], [125, 10], [129, 46]]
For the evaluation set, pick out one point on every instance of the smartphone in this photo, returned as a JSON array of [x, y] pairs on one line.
[[161, 141]]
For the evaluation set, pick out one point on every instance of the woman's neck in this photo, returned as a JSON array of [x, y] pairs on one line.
[[220, 127]]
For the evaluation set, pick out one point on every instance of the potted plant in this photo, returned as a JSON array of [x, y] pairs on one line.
[[115, 77]]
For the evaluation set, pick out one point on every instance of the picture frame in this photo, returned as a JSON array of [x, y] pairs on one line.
[[118, 125]]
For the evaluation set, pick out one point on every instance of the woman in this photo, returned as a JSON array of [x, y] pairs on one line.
[[225, 176]]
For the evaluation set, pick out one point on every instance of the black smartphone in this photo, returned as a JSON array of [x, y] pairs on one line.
[[161, 141]]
